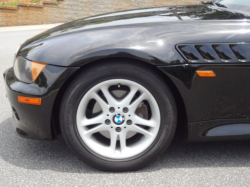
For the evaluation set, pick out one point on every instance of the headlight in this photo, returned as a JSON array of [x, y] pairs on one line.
[[27, 71], [16, 54]]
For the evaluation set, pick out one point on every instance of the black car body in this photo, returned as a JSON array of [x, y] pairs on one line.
[[174, 41]]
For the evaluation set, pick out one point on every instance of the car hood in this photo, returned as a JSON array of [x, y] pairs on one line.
[[149, 35], [142, 16]]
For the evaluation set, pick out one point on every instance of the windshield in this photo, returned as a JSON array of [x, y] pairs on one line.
[[239, 5]]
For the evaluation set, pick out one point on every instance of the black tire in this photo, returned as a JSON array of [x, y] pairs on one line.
[[113, 70]]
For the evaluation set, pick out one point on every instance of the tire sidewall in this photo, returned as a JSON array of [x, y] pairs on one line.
[[97, 74]]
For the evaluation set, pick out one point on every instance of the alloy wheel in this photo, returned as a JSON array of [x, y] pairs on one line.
[[118, 119]]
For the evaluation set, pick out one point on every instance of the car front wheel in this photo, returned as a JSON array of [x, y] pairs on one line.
[[118, 116]]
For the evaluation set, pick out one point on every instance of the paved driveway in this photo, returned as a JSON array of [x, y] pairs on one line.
[[39, 163]]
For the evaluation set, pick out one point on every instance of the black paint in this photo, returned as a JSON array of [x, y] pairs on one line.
[[176, 40]]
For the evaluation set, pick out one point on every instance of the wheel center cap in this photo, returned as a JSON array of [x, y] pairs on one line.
[[119, 119]]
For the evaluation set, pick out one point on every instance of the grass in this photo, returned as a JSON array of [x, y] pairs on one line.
[[10, 3], [15, 3], [36, 1]]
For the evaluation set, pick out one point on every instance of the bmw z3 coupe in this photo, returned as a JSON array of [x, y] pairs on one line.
[[116, 85]]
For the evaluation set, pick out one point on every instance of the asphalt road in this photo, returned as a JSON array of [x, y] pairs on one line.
[[39, 163]]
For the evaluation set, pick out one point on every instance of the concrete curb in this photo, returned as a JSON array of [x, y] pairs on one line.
[[30, 27]]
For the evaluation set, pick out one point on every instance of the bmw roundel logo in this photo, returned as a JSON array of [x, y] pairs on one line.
[[118, 119]]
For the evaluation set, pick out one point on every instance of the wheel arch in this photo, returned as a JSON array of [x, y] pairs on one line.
[[181, 109]]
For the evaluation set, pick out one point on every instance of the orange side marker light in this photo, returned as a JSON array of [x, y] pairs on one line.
[[206, 73], [29, 100]]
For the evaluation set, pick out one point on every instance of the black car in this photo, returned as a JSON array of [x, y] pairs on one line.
[[117, 85]]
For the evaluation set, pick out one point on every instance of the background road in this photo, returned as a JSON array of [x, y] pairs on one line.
[[39, 163]]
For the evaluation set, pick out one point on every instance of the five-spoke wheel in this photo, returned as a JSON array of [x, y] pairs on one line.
[[118, 116], [128, 118]]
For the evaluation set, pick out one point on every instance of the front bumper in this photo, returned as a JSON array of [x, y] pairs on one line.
[[31, 121]]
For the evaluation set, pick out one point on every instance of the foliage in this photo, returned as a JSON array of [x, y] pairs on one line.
[[15, 3]]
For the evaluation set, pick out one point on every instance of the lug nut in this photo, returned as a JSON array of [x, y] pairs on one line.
[[129, 122], [112, 109], [125, 110], [118, 129], [107, 122]]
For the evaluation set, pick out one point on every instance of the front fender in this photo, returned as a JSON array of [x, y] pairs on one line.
[[78, 48]]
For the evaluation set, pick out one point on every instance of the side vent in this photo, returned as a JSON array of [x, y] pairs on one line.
[[205, 52], [215, 53], [221, 52], [240, 51], [188, 52]]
